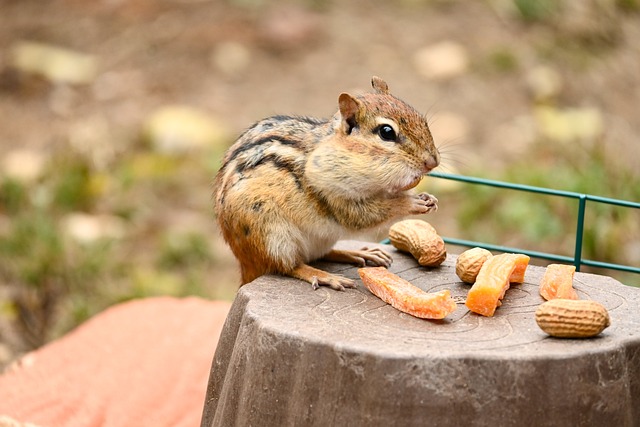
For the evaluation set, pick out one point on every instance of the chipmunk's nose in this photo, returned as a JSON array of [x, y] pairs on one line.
[[431, 163]]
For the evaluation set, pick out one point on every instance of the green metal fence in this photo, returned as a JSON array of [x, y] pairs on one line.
[[582, 200]]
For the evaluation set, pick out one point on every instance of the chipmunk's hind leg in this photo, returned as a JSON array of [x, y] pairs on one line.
[[319, 278], [363, 257]]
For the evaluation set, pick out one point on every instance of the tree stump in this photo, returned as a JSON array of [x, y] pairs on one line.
[[289, 355]]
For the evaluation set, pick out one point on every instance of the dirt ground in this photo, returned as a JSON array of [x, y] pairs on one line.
[[241, 60], [154, 52]]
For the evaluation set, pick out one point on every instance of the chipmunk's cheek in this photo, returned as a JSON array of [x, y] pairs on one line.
[[413, 184]]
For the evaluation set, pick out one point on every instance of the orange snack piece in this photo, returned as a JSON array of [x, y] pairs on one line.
[[406, 297], [493, 281], [518, 273], [557, 282]]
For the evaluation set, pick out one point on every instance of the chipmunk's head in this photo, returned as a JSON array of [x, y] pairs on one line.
[[391, 127]]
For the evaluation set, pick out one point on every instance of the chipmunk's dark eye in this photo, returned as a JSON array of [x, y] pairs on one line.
[[387, 133]]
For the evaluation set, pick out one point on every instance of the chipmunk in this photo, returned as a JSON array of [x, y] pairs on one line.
[[291, 186]]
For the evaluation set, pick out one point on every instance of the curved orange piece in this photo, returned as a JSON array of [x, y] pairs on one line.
[[493, 281], [406, 297]]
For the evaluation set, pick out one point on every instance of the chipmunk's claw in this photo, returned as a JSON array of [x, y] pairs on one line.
[[319, 278], [335, 282], [372, 256], [424, 203]]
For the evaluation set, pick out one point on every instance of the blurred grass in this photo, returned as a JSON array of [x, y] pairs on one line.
[[57, 280], [536, 10], [545, 223]]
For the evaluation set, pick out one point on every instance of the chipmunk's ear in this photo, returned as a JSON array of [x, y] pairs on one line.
[[379, 85], [349, 111]]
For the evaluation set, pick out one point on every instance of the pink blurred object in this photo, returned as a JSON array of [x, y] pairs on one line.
[[140, 363]]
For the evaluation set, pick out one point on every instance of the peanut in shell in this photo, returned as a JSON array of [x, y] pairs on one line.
[[420, 239], [566, 318], [470, 262]]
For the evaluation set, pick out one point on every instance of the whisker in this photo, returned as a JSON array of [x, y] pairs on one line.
[[431, 115], [452, 146], [451, 154], [455, 165]]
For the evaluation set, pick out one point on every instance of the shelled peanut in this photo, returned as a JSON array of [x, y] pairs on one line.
[[420, 239]]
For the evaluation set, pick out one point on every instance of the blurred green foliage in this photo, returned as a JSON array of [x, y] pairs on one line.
[[56, 281], [71, 185], [629, 5], [503, 59], [547, 223], [44, 268], [13, 196], [536, 10], [183, 250]]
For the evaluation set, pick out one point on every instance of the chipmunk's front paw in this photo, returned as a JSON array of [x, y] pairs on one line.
[[424, 203]]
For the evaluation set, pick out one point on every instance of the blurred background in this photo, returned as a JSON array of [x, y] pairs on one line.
[[114, 115]]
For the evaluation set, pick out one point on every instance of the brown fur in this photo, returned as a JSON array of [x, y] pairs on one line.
[[290, 187]]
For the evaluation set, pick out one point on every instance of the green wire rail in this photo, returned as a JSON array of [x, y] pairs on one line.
[[577, 259]]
